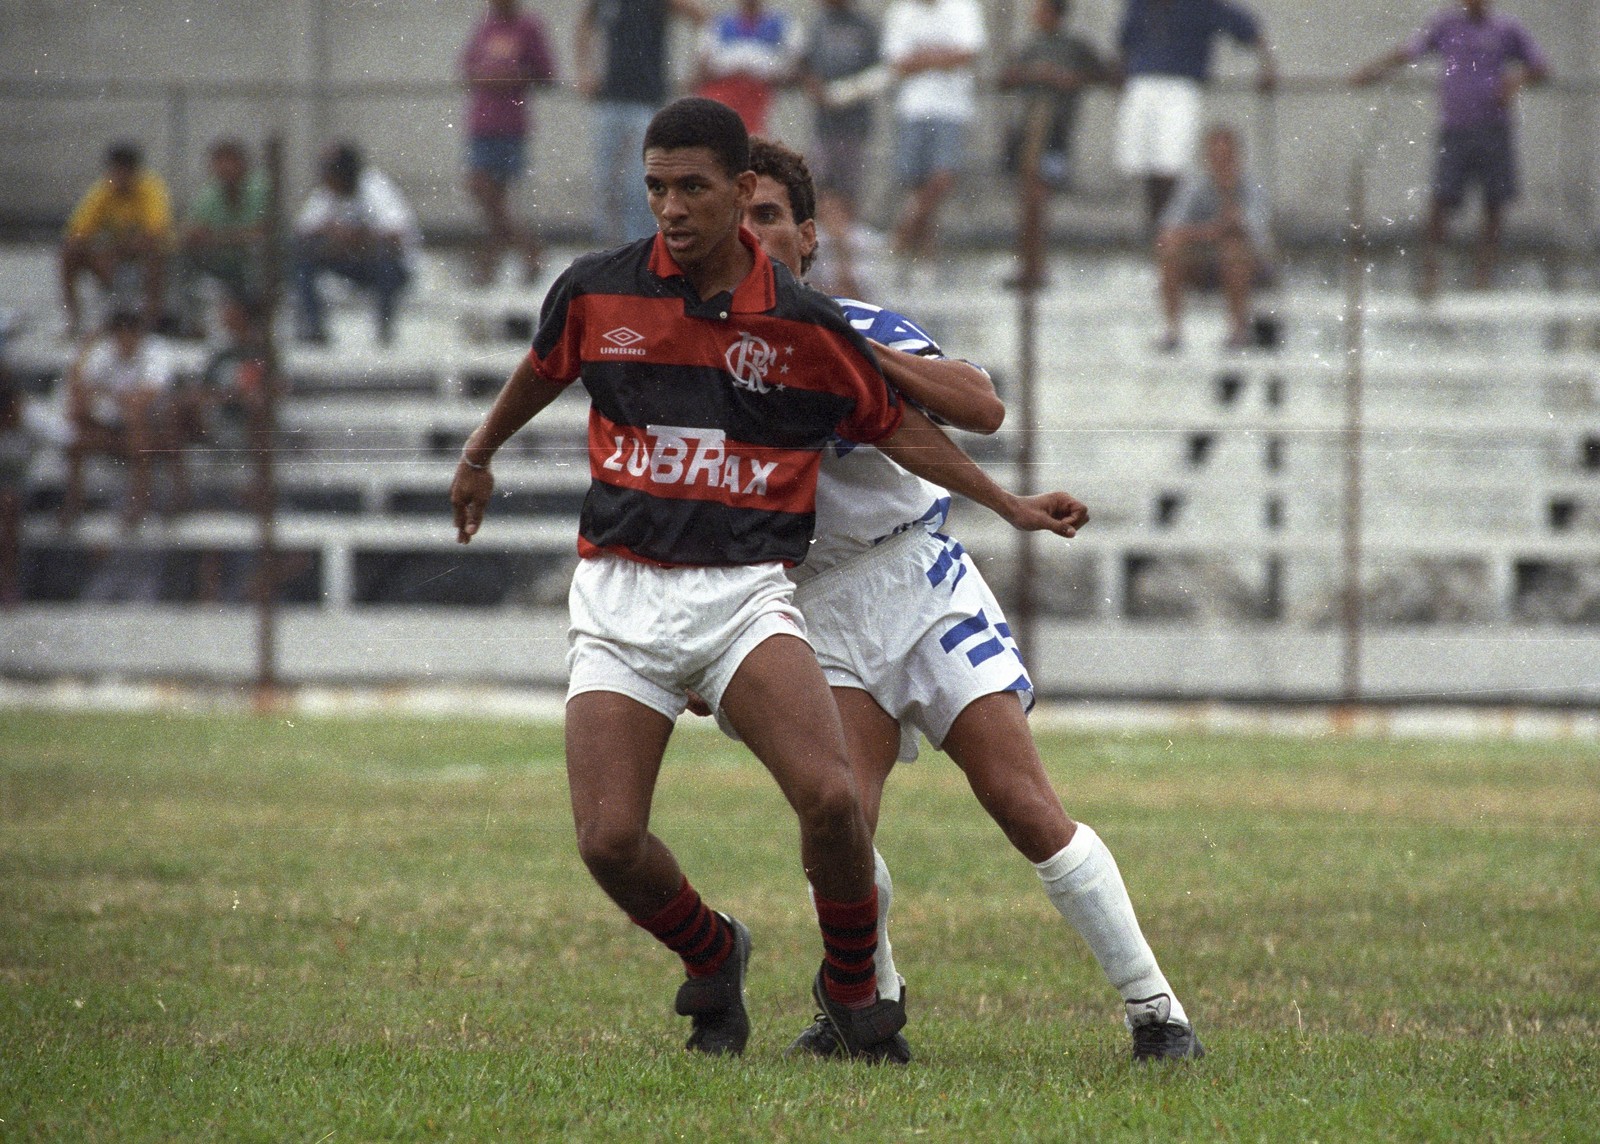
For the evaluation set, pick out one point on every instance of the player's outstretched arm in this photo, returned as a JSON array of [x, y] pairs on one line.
[[922, 447], [524, 394], [955, 390]]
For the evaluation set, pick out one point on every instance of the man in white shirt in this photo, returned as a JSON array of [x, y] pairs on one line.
[[357, 225], [932, 46], [115, 404]]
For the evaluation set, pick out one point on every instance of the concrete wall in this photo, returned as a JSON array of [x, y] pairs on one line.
[[73, 76]]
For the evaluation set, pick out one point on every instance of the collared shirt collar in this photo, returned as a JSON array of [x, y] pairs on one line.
[[756, 294]]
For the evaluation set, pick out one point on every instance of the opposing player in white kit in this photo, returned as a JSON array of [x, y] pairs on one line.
[[911, 639]]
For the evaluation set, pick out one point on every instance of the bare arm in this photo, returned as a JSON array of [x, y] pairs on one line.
[[923, 448], [934, 59], [955, 390], [1380, 67], [525, 393]]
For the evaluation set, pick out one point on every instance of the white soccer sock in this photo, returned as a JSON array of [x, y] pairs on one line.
[[883, 960], [1084, 884]]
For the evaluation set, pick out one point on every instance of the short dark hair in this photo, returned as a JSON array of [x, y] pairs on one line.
[[787, 167], [124, 154], [342, 165], [231, 146], [694, 121], [124, 318]]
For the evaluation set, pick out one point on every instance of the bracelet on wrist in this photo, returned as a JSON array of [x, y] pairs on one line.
[[483, 468]]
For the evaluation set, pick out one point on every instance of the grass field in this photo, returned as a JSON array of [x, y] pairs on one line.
[[318, 930]]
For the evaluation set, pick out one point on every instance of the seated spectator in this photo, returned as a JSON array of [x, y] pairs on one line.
[[354, 224], [223, 406], [224, 232], [744, 56], [121, 229], [1214, 232], [115, 403], [225, 411]]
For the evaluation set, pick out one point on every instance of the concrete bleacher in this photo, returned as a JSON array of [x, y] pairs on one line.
[[1213, 566]]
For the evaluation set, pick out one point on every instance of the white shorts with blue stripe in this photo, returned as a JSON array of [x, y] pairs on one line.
[[912, 623]]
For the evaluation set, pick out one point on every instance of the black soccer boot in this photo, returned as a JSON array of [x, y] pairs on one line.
[[716, 1003]]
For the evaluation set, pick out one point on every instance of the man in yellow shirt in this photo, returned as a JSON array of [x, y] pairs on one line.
[[125, 219]]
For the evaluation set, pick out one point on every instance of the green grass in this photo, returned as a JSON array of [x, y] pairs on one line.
[[333, 930]]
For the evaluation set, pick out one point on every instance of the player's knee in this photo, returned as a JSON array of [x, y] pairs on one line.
[[610, 848], [829, 806]]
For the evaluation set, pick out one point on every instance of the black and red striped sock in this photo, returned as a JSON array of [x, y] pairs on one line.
[[849, 941], [693, 931]]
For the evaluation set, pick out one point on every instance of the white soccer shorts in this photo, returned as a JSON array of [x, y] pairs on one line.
[[1158, 125], [912, 623], [654, 633]]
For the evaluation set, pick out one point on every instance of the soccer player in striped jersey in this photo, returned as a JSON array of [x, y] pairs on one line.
[[912, 640], [715, 380]]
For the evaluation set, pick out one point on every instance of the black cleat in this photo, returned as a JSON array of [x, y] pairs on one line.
[[716, 1003], [820, 1040], [1156, 1037], [870, 1034]]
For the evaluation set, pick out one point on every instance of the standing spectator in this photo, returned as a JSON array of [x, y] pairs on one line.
[[116, 393], [621, 59], [933, 47], [356, 225], [122, 223], [508, 55], [742, 59], [224, 233], [841, 45], [1165, 48], [1214, 232], [1048, 73], [1487, 59]]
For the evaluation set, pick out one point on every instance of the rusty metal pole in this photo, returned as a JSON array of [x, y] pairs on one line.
[[264, 437], [1031, 229], [1355, 308]]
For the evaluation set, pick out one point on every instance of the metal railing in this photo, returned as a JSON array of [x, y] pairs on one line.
[[1302, 135]]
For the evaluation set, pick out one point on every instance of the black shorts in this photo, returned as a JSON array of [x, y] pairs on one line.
[[1481, 155]]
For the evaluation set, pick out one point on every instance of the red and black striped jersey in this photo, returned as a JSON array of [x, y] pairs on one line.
[[707, 417]]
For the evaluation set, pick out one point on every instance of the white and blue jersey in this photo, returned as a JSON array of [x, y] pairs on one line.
[[894, 606], [862, 496]]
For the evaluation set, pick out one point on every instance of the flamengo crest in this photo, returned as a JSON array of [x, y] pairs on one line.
[[749, 359]]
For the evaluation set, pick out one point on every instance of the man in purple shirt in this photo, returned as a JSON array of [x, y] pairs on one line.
[[1487, 60], [507, 55]]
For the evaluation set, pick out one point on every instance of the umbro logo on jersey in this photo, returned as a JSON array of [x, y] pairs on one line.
[[623, 341], [750, 359]]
